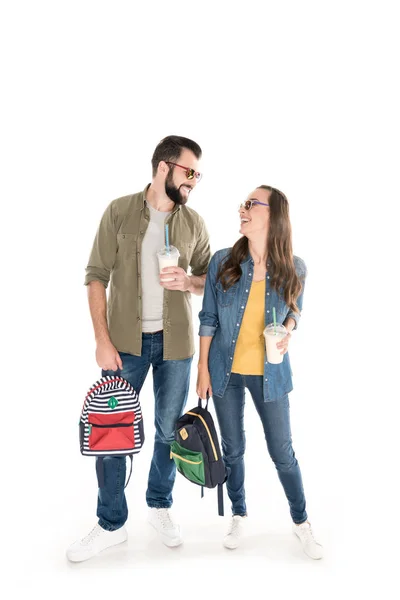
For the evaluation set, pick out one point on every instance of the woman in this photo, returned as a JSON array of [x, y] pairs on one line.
[[243, 285]]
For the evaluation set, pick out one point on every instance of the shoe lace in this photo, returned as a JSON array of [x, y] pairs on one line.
[[91, 535], [308, 535], [234, 526], [165, 518]]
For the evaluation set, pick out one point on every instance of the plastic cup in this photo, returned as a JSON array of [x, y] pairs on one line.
[[168, 258], [274, 355]]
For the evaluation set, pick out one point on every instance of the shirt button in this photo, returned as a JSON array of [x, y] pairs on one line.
[[242, 306], [227, 373], [250, 274], [142, 232], [267, 293], [237, 324], [247, 290], [267, 311], [267, 276], [266, 380], [231, 357]]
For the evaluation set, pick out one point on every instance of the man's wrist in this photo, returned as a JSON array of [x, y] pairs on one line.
[[102, 340], [196, 284], [191, 284]]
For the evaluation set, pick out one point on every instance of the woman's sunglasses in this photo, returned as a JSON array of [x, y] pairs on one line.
[[248, 204], [190, 173]]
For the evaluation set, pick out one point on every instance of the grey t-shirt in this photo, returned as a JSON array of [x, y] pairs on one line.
[[152, 292]]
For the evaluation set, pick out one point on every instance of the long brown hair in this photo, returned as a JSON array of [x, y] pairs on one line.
[[279, 250]]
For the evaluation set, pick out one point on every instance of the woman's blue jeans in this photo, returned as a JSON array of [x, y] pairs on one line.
[[276, 423]]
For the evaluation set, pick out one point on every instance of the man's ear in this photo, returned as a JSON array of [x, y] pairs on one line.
[[162, 168]]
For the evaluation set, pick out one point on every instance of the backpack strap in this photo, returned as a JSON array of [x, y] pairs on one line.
[[220, 500], [220, 492], [100, 470], [200, 401], [130, 472]]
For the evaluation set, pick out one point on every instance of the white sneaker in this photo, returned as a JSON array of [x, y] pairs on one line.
[[312, 548], [169, 532], [234, 533], [97, 540]]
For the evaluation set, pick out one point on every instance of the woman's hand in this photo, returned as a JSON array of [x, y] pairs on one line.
[[283, 344], [203, 385]]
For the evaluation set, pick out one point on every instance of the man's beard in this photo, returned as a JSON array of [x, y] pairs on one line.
[[173, 192]]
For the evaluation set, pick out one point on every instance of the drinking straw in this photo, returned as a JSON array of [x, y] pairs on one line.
[[167, 239], [274, 317]]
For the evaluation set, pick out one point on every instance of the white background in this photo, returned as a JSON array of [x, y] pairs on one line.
[[299, 95]]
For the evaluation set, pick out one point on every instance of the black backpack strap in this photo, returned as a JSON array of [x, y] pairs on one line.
[[220, 492], [130, 472], [220, 500], [200, 401]]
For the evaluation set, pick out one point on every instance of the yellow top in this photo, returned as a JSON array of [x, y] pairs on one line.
[[250, 347]]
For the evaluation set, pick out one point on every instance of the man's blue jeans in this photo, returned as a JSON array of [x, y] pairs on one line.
[[171, 385], [276, 423]]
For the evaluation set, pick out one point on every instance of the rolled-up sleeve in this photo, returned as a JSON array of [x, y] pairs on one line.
[[209, 314], [202, 253], [104, 249], [301, 270]]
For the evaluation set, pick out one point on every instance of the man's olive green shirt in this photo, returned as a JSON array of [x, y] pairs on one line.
[[116, 259]]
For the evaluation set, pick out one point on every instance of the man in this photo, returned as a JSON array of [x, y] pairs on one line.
[[148, 323]]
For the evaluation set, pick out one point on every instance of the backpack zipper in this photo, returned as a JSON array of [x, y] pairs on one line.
[[112, 425], [191, 462], [208, 431], [96, 387]]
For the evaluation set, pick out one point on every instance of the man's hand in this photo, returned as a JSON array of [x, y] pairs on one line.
[[107, 357], [181, 280]]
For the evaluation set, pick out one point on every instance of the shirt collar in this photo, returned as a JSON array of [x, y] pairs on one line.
[[143, 200], [248, 259]]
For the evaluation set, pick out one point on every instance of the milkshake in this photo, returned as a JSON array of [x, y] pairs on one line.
[[168, 258], [274, 355]]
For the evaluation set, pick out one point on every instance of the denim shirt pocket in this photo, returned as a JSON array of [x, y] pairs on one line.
[[225, 298]]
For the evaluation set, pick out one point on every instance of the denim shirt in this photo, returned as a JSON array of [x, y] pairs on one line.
[[221, 317]]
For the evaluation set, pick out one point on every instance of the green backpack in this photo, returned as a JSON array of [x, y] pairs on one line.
[[196, 451]]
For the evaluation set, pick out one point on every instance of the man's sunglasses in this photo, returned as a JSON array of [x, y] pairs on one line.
[[248, 204], [190, 173]]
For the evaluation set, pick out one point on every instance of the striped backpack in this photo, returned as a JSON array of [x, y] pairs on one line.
[[111, 422]]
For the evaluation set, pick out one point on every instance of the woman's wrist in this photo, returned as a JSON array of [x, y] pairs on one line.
[[202, 366], [289, 324]]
